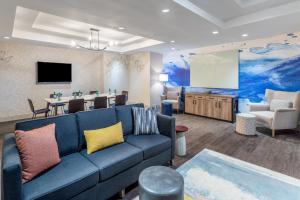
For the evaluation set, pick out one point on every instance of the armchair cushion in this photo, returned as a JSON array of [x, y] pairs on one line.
[[264, 117], [258, 107], [278, 104]]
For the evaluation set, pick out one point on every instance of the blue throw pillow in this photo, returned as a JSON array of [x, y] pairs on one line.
[[145, 122]]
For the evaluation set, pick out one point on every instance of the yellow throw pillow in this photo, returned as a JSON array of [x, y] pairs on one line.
[[104, 137]]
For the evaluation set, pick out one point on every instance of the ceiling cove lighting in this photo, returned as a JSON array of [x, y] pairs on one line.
[[172, 41], [6, 37], [165, 10], [215, 32], [245, 35], [121, 28]]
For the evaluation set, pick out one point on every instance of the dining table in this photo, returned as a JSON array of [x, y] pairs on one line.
[[87, 98]]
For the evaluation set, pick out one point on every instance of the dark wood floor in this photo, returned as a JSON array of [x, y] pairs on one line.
[[281, 154]]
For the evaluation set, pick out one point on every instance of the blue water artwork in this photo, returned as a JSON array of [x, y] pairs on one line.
[[274, 66], [214, 176]]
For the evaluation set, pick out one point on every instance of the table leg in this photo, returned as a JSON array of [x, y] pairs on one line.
[[55, 110], [181, 144]]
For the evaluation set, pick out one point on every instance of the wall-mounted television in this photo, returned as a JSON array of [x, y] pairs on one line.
[[49, 72]]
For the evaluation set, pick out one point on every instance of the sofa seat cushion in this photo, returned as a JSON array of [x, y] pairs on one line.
[[151, 145], [265, 117], [115, 159], [73, 175]]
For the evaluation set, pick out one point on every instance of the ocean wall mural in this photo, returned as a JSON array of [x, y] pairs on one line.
[[272, 63]]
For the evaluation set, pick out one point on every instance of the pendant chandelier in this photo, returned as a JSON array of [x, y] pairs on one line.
[[94, 42]]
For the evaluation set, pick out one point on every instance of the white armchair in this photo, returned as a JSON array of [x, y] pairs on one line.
[[281, 110], [172, 95]]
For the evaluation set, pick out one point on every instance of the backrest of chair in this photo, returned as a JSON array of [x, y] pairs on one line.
[[76, 105], [126, 94], [100, 102], [293, 97], [51, 96], [120, 100], [93, 92], [31, 105]]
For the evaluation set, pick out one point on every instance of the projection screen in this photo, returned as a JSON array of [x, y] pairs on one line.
[[215, 70]]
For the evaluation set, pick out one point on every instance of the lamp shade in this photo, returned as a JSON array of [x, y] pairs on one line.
[[163, 77]]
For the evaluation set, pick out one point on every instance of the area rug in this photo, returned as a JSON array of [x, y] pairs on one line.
[[214, 176]]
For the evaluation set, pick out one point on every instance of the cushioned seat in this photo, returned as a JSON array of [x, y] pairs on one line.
[[265, 117], [151, 145], [115, 159], [72, 176]]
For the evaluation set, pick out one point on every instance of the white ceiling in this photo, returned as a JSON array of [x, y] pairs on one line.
[[190, 22]]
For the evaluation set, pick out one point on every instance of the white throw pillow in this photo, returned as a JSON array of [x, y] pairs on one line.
[[280, 104]]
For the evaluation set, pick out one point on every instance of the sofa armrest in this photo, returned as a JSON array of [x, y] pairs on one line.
[[166, 126], [11, 170], [258, 107], [286, 118]]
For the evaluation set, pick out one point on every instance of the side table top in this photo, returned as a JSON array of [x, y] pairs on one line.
[[181, 128]]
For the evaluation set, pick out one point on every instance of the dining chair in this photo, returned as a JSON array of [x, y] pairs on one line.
[[120, 100], [126, 94], [37, 112], [59, 105], [93, 92], [75, 105], [99, 102]]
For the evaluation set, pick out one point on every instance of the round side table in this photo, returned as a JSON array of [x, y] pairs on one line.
[[245, 124], [180, 140], [160, 183]]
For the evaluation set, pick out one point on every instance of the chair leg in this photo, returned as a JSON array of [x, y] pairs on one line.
[[32, 116], [273, 133]]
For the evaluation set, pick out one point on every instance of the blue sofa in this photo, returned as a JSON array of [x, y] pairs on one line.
[[88, 177]]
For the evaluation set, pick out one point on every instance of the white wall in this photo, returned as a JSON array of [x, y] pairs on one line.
[[116, 73], [18, 76], [139, 78], [156, 87]]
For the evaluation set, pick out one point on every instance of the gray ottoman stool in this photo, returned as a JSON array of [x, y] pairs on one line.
[[160, 183]]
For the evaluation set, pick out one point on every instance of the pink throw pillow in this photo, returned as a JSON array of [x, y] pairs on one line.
[[38, 150]]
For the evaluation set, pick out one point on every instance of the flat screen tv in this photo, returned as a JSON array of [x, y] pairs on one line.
[[48, 72]]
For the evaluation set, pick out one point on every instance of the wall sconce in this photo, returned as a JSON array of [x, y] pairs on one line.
[[163, 78]]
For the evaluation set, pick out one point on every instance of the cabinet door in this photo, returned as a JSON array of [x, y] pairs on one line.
[[189, 104], [212, 109], [225, 106], [200, 105]]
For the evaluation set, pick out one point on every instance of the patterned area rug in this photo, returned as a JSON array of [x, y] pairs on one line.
[[214, 176]]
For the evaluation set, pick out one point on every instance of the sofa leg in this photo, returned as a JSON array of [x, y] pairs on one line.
[[122, 193], [171, 163], [273, 133]]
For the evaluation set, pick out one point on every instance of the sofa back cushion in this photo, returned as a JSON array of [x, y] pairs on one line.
[[66, 131], [279, 104], [125, 115], [95, 119]]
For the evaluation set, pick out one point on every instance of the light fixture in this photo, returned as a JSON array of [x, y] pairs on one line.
[[94, 42], [215, 32], [165, 10], [245, 35], [172, 41], [163, 77], [173, 48], [6, 37], [121, 28]]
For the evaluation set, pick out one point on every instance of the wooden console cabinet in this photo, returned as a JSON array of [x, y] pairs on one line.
[[221, 107]]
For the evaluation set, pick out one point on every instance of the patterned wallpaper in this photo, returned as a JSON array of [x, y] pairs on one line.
[[18, 76]]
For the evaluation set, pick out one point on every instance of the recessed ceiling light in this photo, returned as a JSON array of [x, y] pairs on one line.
[[73, 43], [172, 41], [215, 32], [245, 35], [121, 28], [6, 37], [165, 10], [173, 48]]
